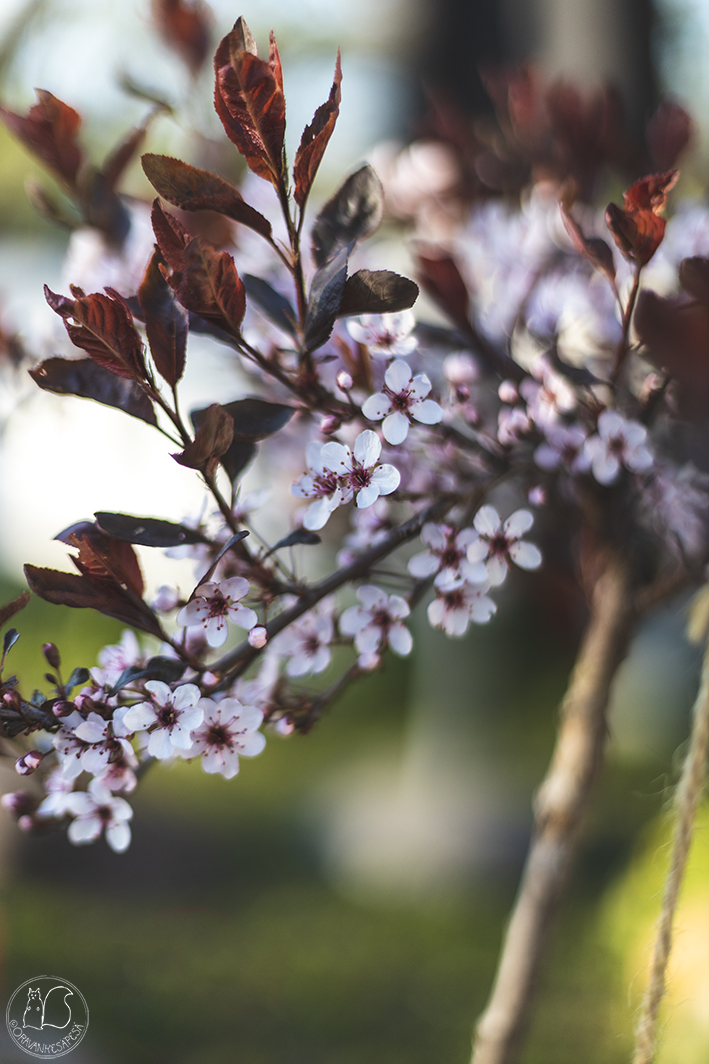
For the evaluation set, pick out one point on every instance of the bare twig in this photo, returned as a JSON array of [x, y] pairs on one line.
[[560, 806], [687, 799]]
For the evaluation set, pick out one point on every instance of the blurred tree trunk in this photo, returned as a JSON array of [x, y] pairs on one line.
[[587, 41]]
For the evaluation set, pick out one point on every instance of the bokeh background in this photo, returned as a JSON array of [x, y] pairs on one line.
[[343, 899]]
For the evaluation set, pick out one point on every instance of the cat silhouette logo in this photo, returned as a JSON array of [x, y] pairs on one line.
[[47, 1017]]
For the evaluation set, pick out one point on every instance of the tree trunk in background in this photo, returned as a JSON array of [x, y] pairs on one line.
[[587, 41]]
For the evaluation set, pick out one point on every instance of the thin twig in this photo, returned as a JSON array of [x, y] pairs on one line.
[[559, 812], [687, 798]]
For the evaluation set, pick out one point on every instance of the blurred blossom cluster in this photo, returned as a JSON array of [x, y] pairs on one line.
[[567, 389]]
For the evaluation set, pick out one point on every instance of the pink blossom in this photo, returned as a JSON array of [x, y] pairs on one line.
[[214, 604], [385, 334], [498, 544], [107, 742], [359, 471], [376, 623], [457, 603], [56, 804], [320, 483], [563, 448], [620, 442], [403, 398], [117, 657], [548, 396], [447, 549], [306, 643], [512, 424], [95, 810], [170, 717], [229, 729]]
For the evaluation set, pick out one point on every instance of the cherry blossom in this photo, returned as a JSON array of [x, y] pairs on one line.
[[376, 623], [306, 643], [385, 334], [548, 396], [320, 483], [403, 398], [216, 603], [228, 730], [498, 544], [170, 717], [564, 447], [457, 603], [107, 742], [57, 803], [114, 659], [620, 442], [95, 810], [447, 549], [359, 470]]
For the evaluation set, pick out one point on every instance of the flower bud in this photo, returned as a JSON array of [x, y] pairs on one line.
[[537, 495], [284, 726], [62, 708], [12, 700], [344, 381], [508, 392], [52, 655], [27, 824], [18, 803], [258, 636], [26, 765], [329, 424]]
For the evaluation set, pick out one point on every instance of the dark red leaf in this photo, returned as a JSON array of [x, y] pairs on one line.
[[197, 190], [171, 236], [637, 228], [676, 336], [8, 611], [102, 326], [166, 323], [352, 214], [49, 130], [694, 278], [185, 26], [81, 592], [208, 285], [315, 140], [84, 378], [249, 100], [106, 558], [441, 278], [213, 439], [256, 419], [592, 248], [668, 133], [377, 292]]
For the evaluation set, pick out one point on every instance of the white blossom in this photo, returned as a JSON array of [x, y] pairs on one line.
[[548, 396], [228, 730], [214, 604], [95, 810], [320, 483], [498, 544], [620, 442], [447, 549], [170, 717], [385, 334], [403, 398], [117, 657], [457, 603], [107, 742], [306, 643], [376, 623], [563, 448], [359, 470]]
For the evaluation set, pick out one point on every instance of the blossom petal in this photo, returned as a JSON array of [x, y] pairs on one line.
[[420, 386], [243, 616], [372, 597], [434, 535], [398, 607], [160, 744], [428, 412], [387, 478], [84, 829], [139, 717], [496, 570], [252, 744], [525, 555], [336, 457], [216, 629], [518, 523], [160, 692], [317, 515], [234, 588], [376, 407], [395, 428], [118, 837], [186, 696], [368, 495], [423, 565], [367, 448], [352, 619], [400, 639], [398, 375], [487, 521], [605, 468]]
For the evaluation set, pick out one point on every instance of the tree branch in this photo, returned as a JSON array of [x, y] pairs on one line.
[[559, 811]]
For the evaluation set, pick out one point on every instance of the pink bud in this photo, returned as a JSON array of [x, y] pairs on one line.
[[284, 726], [25, 766], [344, 381], [18, 803], [258, 637], [508, 392], [26, 823], [537, 495], [62, 708], [329, 424]]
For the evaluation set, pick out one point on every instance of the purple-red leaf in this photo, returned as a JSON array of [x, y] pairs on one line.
[[377, 292], [166, 323], [637, 228], [171, 236], [248, 97], [315, 140], [213, 439], [84, 378], [8, 611], [198, 190], [81, 592], [208, 285], [185, 27], [102, 325], [441, 278], [49, 130]]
